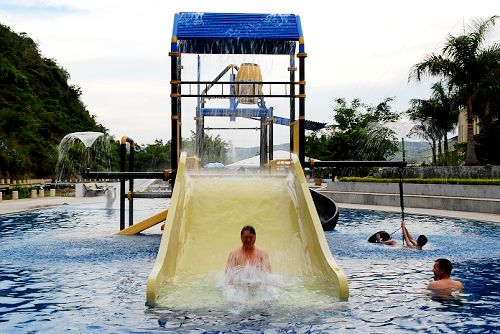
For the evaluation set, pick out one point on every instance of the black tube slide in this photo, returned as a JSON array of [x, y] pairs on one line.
[[327, 210]]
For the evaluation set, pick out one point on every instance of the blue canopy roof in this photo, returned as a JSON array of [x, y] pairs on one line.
[[236, 33]]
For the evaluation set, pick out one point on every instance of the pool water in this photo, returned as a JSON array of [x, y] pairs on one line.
[[63, 269]]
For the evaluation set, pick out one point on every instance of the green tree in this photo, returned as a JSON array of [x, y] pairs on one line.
[[445, 111], [153, 157], [467, 64], [436, 117], [37, 108], [214, 148], [425, 128], [362, 133], [488, 142]]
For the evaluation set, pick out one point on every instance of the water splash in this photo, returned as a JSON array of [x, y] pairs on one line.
[[278, 20], [191, 19], [87, 138], [367, 147], [250, 285], [110, 194], [77, 150]]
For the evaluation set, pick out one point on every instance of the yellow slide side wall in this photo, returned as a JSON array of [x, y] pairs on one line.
[[170, 242], [314, 240], [145, 224]]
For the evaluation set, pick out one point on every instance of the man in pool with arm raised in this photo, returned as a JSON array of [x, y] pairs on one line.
[[248, 253], [442, 281], [410, 242]]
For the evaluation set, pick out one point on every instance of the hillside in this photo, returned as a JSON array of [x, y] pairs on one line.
[[37, 108], [414, 151]]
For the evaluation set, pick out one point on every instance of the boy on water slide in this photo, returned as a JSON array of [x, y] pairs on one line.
[[248, 253]]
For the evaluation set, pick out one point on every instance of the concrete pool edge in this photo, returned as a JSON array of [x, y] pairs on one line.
[[487, 217], [29, 204]]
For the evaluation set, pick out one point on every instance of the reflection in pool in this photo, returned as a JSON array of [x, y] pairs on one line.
[[64, 269]]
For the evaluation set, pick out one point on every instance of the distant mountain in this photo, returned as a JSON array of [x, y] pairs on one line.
[[413, 151]]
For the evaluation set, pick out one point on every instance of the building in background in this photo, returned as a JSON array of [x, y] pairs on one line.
[[462, 126]]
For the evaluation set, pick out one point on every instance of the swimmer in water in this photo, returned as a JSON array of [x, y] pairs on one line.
[[443, 283], [382, 237], [410, 242], [248, 253]]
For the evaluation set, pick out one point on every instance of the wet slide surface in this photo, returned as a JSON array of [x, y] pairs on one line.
[[204, 224]]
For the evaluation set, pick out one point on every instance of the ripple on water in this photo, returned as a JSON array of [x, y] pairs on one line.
[[64, 270]]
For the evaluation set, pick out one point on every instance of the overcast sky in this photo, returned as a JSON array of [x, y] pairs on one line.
[[117, 52]]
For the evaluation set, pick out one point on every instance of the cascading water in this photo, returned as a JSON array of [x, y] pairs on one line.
[[364, 147], [77, 150], [273, 68], [212, 220]]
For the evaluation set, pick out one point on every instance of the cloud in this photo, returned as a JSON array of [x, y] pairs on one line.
[[117, 51], [35, 8]]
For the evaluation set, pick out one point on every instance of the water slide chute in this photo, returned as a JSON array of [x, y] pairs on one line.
[[207, 213], [328, 211], [145, 224]]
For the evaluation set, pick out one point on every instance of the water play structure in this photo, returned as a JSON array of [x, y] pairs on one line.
[[207, 211], [280, 206]]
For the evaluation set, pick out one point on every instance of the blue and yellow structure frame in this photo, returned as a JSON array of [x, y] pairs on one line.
[[239, 33]]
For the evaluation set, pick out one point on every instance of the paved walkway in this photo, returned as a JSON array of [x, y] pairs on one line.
[[11, 206], [26, 204], [488, 217]]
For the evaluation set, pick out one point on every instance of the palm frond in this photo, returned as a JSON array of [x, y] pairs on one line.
[[479, 28], [431, 65]]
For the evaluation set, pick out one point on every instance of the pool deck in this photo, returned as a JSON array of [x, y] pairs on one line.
[[488, 217], [27, 204], [12, 206]]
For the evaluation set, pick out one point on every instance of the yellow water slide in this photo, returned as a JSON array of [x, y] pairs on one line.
[[145, 224], [203, 225]]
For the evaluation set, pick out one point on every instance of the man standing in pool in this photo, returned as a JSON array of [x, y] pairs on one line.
[[410, 242], [442, 280], [248, 253]]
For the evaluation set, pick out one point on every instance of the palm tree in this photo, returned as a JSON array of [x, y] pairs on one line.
[[445, 111], [466, 64], [423, 112], [427, 131]]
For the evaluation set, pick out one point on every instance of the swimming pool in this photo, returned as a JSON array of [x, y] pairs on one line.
[[63, 269]]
